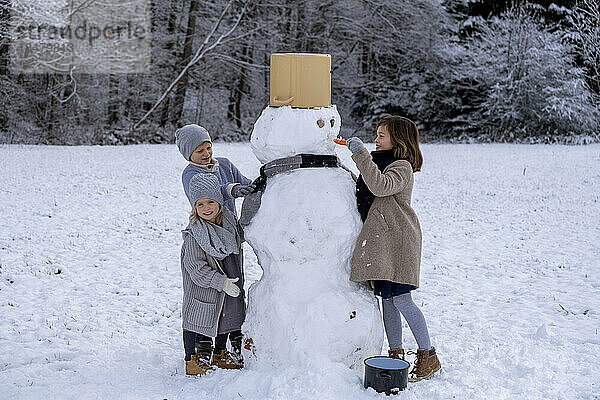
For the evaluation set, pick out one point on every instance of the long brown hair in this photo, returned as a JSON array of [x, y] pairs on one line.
[[405, 139]]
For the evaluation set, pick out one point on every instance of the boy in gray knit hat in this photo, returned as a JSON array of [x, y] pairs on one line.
[[212, 270], [195, 145]]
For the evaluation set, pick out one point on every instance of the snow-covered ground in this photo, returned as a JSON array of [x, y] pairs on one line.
[[90, 285]]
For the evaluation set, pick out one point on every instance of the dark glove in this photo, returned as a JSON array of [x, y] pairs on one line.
[[240, 190], [355, 144]]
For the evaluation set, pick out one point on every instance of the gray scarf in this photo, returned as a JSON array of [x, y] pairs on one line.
[[211, 167], [252, 202], [217, 241]]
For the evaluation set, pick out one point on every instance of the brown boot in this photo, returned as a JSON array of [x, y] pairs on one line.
[[197, 365], [425, 365], [396, 353], [225, 360]]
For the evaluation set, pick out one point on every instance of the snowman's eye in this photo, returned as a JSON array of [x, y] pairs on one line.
[[321, 123], [332, 122]]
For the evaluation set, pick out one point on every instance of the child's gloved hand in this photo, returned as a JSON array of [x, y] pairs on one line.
[[355, 144], [230, 288], [240, 190]]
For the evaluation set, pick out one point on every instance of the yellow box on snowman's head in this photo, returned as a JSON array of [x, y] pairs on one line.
[[300, 80]]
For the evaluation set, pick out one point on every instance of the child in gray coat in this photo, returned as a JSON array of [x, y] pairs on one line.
[[213, 280], [195, 145]]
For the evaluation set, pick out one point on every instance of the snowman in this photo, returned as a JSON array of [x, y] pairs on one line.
[[303, 224]]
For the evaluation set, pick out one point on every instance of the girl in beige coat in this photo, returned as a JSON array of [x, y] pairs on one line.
[[388, 250]]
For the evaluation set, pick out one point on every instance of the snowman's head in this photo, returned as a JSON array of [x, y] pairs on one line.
[[285, 131]]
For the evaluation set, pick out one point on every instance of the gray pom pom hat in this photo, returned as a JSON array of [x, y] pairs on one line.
[[205, 186], [189, 137]]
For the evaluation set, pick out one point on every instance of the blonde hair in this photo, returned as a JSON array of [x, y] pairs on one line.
[[194, 217]]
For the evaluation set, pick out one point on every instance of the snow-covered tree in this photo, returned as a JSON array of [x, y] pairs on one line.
[[524, 83], [413, 58], [403, 52], [586, 24]]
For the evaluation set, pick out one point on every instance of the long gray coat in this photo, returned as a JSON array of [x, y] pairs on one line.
[[203, 295], [389, 245]]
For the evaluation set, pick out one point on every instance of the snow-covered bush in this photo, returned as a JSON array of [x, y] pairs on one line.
[[525, 84]]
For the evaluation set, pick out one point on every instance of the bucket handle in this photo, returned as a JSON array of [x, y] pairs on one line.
[[384, 375]]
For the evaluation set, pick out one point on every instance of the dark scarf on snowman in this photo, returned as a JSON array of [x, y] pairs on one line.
[[364, 197], [252, 202]]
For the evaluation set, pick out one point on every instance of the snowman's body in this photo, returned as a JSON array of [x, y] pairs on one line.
[[304, 308]]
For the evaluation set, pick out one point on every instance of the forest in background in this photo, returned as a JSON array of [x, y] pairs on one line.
[[464, 70]]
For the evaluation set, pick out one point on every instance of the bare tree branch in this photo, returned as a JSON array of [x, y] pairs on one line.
[[202, 50], [74, 92], [240, 62], [235, 38]]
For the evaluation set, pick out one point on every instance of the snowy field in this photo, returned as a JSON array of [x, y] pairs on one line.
[[90, 283]]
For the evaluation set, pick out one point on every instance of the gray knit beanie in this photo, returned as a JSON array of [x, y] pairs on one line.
[[205, 186], [189, 137]]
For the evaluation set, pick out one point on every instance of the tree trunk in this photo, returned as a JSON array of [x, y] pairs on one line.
[[241, 85], [365, 60], [171, 49], [5, 7], [113, 100], [49, 110], [185, 58]]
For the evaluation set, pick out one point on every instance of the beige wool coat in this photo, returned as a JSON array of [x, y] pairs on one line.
[[389, 245]]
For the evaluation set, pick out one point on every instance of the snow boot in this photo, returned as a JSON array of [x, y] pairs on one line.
[[426, 364], [396, 353], [236, 347], [198, 365], [204, 348], [225, 360]]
